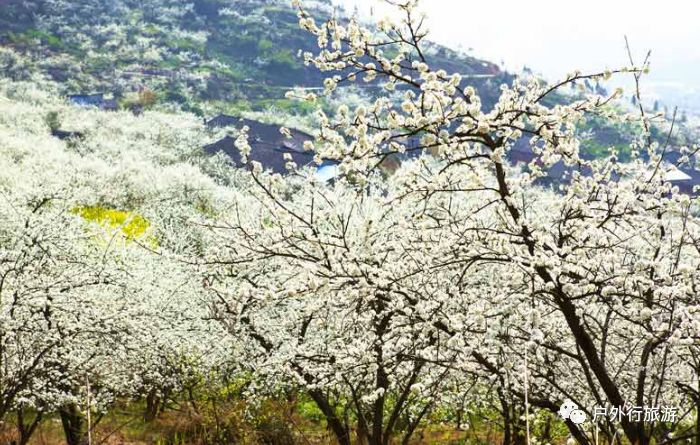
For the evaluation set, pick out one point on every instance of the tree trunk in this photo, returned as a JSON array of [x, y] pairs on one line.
[[634, 431], [26, 429], [152, 406], [697, 420], [341, 432], [72, 421], [507, 439]]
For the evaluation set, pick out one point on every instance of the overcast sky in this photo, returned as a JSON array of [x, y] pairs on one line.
[[554, 37]]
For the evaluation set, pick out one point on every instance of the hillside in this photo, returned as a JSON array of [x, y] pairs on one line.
[[213, 56], [207, 50]]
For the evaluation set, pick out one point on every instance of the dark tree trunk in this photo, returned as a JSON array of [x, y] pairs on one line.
[[341, 432], [362, 434], [634, 431], [152, 406], [26, 429], [507, 423], [164, 401], [72, 421], [697, 420], [520, 436]]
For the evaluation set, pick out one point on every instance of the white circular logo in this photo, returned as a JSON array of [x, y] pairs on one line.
[[569, 410]]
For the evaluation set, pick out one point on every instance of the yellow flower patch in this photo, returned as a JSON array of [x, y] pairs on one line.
[[132, 225]]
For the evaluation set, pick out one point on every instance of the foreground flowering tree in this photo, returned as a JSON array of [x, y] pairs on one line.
[[585, 292], [323, 285]]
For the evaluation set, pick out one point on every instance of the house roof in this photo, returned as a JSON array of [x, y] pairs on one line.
[[93, 100], [675, 174], [87, 99], [264, 152], [64, 135], [561, 172], [686, 179], [224, 120], [327, 172], [268, 145], [109, 104], [261, 131], [521, 151]]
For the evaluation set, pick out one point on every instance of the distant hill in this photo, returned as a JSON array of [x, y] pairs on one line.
[[244, 52], [208, 56]]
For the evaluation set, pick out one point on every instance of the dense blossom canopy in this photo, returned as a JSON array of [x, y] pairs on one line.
[[132, 261]]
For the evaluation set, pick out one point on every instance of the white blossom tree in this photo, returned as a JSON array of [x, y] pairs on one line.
[[331, 296]]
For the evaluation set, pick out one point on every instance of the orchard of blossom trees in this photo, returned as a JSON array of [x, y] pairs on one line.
[[457, 287], [85, 300]]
